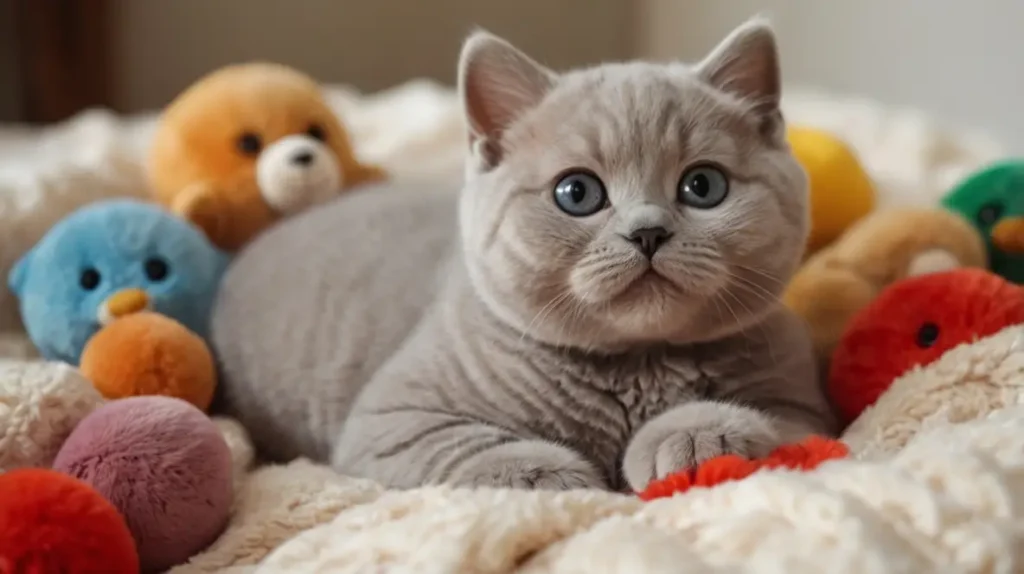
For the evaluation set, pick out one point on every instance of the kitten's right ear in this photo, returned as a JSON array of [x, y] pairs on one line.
[[746, 64], [497, 84]]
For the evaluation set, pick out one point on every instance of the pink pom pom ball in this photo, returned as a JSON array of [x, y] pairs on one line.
[[164, 465]]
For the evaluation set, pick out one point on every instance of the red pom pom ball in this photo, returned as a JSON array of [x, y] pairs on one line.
[[912, 323], [51, 522]]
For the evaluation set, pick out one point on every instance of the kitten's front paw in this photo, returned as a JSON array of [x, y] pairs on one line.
[[690, 434], [530, 465]]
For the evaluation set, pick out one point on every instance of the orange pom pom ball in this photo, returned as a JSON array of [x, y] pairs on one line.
[[804, 455], [51, 522], [912, 323], [150, 354]]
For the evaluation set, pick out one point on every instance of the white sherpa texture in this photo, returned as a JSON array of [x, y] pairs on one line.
[[40, 404], [942, 491]]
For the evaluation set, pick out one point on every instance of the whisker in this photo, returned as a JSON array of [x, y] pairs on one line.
[[544, 311], [761, 273], [762, 295], [760, 326], [753, 288]]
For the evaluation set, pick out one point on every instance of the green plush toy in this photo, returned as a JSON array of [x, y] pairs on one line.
[[993, 200]]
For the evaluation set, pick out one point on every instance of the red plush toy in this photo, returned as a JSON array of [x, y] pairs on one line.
[[51, 522], [912, 323], [804, 455]]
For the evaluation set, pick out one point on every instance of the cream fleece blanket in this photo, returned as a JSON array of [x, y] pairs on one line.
[[937, 483]]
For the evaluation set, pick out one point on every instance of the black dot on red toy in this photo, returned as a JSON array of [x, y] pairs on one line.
[[927, 335]]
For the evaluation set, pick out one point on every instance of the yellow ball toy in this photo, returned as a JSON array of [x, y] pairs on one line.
[[841, 190]]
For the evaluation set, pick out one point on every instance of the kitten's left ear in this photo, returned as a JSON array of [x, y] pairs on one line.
[[746, 65], [497, 84]]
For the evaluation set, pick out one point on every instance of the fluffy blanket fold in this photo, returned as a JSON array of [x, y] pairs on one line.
[[930, 488]]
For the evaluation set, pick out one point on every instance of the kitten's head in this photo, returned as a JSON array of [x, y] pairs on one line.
[[630, 203]]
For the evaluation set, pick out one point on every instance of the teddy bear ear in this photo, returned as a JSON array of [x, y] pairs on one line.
[[16, 277]]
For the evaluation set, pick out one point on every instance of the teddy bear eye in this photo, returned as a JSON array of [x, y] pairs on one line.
[[249, 143], [316, 132], [89, 279]]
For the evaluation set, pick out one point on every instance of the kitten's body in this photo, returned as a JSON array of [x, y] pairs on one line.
[[311, 309], [466, 385], [623, 328]]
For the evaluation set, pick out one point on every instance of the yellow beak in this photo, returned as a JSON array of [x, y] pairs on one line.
[[124, 302], [1008, 235]]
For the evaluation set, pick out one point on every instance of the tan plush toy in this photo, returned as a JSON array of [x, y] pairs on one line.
[[841, 279], [249, 144]]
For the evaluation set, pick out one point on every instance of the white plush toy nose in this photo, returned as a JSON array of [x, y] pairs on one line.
[[297, 172]]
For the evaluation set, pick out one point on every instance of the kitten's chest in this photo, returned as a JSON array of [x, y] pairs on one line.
[[647, 385], [609, 398]]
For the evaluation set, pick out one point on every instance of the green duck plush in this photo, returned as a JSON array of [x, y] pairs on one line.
[[993, 200]]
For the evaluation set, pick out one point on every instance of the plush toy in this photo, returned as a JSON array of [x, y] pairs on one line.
[[164, 465], [109, 259], [40, 404], [912, 323], [888, 245], [147, 353], [248, 144], [804, 455], [841, 191], [993, 200], [51, 522]]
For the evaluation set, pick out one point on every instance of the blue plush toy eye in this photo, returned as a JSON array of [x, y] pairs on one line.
[[89, 279], [157, 268]]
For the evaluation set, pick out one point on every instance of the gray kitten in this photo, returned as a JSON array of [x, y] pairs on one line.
[[608, 312]]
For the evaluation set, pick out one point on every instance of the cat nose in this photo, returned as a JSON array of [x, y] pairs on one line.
[[303, 158], [648, 239]]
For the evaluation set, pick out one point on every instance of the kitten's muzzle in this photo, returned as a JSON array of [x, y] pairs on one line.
[[648, 239]]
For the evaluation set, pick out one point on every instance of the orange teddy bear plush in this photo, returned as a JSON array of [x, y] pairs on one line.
[[247, 145]]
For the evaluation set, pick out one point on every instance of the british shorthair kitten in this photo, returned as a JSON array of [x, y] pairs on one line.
[[609, 314]]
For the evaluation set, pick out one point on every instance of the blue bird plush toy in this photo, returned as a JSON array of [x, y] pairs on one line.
[[109, 259]]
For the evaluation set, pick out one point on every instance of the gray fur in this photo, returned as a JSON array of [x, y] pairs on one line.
[[311, 308], [524, 347]]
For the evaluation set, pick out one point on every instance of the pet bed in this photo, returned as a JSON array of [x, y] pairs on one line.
[[936, 482]]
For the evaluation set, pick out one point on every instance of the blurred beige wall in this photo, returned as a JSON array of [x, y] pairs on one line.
[[165, 45], [959, 61]]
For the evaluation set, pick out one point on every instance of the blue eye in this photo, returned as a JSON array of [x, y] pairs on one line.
[[703, 187], [580, 194]]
